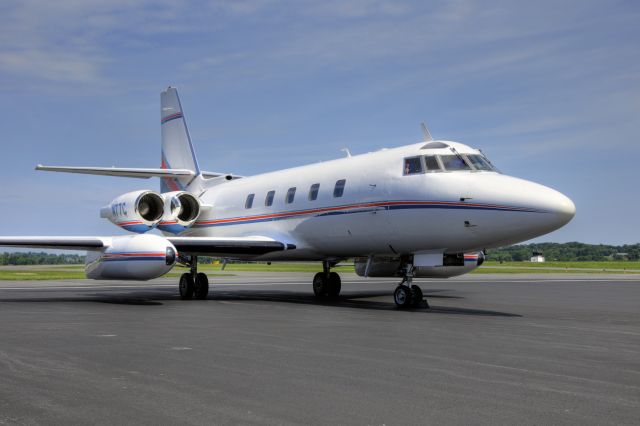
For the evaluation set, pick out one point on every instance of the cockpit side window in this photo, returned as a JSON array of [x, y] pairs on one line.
[[412, 166], [454, 163], [432, 163], [479, 162]]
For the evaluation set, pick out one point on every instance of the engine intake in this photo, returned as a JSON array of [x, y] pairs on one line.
[[181, 211], [138, 211]]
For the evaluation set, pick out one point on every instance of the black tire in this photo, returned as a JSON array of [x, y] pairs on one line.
[[186, 287], [402, 296], [320, 287], [335, 284], [201, 290], [416, 296]]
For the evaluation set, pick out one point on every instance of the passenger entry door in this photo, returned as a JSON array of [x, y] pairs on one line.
[[370, 229]]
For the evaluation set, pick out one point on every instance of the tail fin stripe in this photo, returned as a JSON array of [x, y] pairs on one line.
[[169, 184], [171, 117]]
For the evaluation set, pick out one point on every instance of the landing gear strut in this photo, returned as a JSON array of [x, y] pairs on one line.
[[326, 283], [408, 295], [193, 283]]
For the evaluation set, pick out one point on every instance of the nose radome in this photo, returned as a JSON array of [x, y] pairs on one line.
[[560, 208], [565, 208]]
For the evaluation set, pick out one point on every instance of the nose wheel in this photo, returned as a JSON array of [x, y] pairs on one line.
[[408, 295], [193, 284]]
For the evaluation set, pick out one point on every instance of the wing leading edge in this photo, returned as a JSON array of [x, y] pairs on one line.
[[63, 243]]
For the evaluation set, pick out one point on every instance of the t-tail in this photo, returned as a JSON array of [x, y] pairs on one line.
[[179, 169], [177, 149]]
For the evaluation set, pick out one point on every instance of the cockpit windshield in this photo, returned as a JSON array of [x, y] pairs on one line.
[[446, 163], [454, 162], [479, 162]]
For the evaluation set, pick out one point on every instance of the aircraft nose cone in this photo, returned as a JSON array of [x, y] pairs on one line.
[[558, 207], [564, 209]]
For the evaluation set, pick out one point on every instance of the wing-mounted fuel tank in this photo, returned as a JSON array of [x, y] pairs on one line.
[[131, 257], [453, 264], [137, 211], [181, 209], [442, 265]]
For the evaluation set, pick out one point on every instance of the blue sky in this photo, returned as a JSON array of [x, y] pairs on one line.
[[550, 90]]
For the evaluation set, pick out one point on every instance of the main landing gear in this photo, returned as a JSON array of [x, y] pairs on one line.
[[194, 284], [408, 295], [326, 284]]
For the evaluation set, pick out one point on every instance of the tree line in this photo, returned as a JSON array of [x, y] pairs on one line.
[[567, 252], [40, 259]]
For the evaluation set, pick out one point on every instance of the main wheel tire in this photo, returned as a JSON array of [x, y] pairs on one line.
[[416, 296], [201, 290], [320, 285], [186, 287], [402, 296], [335, 284]]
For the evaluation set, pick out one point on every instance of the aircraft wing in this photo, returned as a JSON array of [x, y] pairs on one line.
[[66, 243], [202, 246], [214, 246]]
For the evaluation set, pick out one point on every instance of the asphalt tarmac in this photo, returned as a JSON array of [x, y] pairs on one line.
[[503, 349]]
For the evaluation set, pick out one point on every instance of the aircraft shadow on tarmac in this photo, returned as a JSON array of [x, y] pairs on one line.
[[352, 300]]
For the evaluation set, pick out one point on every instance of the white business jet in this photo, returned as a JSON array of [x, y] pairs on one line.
[[429, 209]]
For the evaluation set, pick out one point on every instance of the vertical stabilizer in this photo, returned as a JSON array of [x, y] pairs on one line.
[[177, 150]]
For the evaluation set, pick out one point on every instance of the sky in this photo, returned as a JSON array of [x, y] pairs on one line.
[[549, 90]]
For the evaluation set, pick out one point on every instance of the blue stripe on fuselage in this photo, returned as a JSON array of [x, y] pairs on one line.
[[353, 210]]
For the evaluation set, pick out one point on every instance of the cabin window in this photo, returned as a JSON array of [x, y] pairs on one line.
[[454, 163], [479, 162], [268, 200], [412, 166], [432, 163], [313, 191], [338, 190], [249, 202], [291, 193]]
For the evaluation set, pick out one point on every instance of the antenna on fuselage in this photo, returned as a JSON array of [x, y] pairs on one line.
[[346, 150], [426, 133]]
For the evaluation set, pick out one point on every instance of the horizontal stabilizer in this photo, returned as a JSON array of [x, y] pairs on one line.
[[141, 173], [118, 171]]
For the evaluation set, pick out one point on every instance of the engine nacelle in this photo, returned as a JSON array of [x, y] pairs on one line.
[[443, 266], [132, 257], [181, 209], [138, 211]]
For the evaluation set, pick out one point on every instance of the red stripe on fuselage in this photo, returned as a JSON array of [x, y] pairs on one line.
[[358, 206]]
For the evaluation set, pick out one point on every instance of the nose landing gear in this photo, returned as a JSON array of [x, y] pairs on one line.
[[408, 295]]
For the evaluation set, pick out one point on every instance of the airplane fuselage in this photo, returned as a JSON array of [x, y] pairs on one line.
[[382, 210]]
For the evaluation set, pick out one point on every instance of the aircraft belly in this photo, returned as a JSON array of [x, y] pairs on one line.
[[456, 230]]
